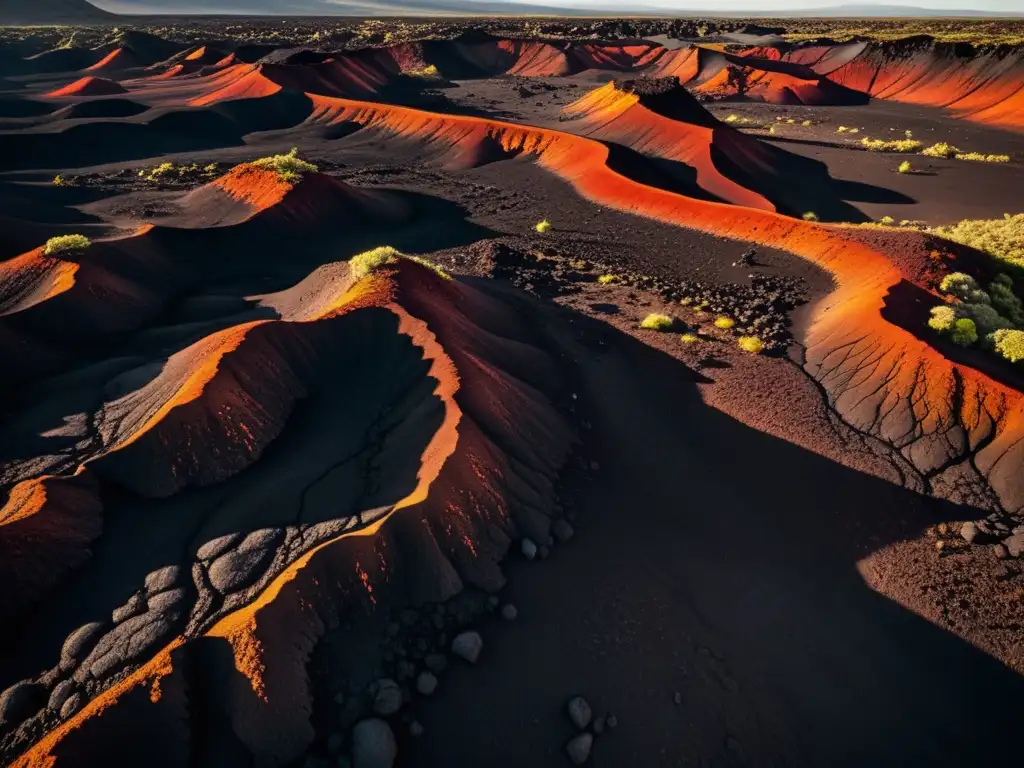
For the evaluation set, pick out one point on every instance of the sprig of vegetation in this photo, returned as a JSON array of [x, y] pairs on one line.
[[942, 149], [543, 226], [429, 71], [290, 168], [657, 322], [1008, 343], [65, 243], [905, 167], [750, 344], [894, 145], [725, 323], [608, 279], [1002, 238], [169, 172], [997, 314], [964, 332], [365, 263], [979, 157]]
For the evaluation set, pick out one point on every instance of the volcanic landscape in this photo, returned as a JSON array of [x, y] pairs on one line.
[[509, 394]]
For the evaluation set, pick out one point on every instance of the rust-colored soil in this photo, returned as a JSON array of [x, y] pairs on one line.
[[243, 478]]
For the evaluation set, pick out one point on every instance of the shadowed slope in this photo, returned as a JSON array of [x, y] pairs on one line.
[[778, 82], [983, 85], [963, 431], [88, 86], [119, 285], [669, 123], [487, 446]]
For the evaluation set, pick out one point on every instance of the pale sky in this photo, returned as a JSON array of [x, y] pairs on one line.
[[707, 7], [775, 5]]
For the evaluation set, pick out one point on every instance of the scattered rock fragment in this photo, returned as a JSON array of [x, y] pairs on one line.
[[612, 721], [579, 712], [60, 694], [21, 701], [387, 696], [217, 546], [79, 643], [135, 606], [415, 729], [509, 611], [562, 530], [163, 601], [677, 697], [1015, 545], [969, 531], [599, 725], [529, 549], [247, 562], [426, 683], [579, 748], [468, 646], [373, 744], [72, 705], [162, 579]]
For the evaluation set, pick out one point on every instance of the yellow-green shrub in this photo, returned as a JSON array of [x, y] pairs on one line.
[[364, 263], [657, 322], [607, 279], [543, 226], [750, 344], [1009, 344], [725, 323], [289, 168], [896, 145], [1002, 238], [942, 149], [963, 287], [66, 243], [980, 157], [689, 338], [428, 71], [943, 318], [964, 332]]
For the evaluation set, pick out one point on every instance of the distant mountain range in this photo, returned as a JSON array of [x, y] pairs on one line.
[[29, 12], [26, 12]]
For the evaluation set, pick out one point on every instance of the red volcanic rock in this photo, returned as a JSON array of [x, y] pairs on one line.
[[46, 528], [849, 344], [88, 86], [979, 85], [252, 193], [467, 462], [119, 58], [661, 118]]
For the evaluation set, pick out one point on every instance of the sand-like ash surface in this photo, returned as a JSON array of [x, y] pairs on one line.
[[363, 456]]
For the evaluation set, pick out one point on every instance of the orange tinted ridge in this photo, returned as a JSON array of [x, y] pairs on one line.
[[881, 377], [240, 629]]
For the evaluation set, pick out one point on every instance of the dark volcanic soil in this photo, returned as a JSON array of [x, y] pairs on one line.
[[252, 494], [750, 608]]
